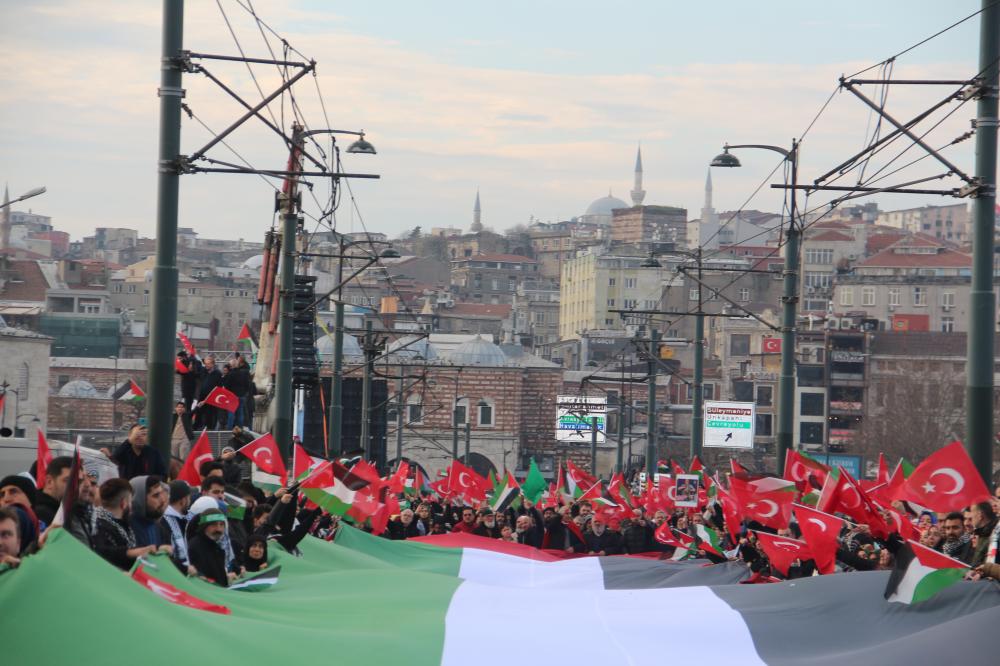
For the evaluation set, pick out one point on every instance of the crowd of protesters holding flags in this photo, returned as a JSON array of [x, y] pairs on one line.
[[218, 525]]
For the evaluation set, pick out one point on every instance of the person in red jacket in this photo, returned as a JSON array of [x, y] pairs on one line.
[[468, 522]]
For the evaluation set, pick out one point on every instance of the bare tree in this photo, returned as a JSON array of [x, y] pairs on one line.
[[912, 414]]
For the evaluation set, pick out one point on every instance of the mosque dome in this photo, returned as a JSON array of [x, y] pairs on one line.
[[477, 351], [254, 262], [78, 388], [605, 205], [324, 346], [413, 348]]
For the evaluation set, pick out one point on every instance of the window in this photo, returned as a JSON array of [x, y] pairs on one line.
[[763, 425], [707, 392], [814, 280], [744, 295], [495, 284], [847, 296], [63, 380], [485, 413], [812, 404], [118, 288], [131, 289], [765, 396], [631, 303], [609, 322], [611, 302], [414, 409], [816, 256], [631, 283], [742, 391], [461, 412], [611, 282], [192, 291], [512, 285], [90, 308], [868, 296], [948, 299], [920, 296], [23, 382], [811, 433], [739, 344], [947, 324], [894, 296], [693, 294]]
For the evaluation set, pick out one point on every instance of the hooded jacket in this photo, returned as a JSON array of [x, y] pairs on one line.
[[147, 532]]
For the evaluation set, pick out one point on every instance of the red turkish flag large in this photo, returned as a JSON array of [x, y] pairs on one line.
[[770, 345], [264, 452], [783, 551], [821, 532], [365, 504], [764, 501], [174, 595], [731, 514], [222, 398], [200, 453], [463, 480], [946, 480]]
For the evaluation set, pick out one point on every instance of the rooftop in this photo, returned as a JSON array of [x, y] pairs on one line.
[[508, 258]]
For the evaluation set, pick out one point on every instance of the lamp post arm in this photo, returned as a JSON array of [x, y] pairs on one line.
[[778, 149]]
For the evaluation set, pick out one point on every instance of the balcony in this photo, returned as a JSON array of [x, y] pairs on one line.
[[846, 407], [847, 378]]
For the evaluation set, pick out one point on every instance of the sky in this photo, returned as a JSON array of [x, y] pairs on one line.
[[538, 105]]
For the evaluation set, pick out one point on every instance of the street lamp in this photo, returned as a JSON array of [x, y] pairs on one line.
[[789, 298], [27, 195]]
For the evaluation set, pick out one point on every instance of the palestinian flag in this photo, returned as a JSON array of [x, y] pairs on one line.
[[921, 573], [577, 481], [709, 540], [504, 495], [331, 594], [246, 337], [333, 487], [255, 582], [128, 391]]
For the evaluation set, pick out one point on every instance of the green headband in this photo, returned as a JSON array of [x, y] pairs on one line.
[[211, 517]]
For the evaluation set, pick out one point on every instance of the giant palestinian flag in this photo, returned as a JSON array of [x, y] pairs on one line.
[[362, 600]]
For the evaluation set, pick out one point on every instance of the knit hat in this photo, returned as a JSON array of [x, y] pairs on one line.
[[23, 483], [179, 490]]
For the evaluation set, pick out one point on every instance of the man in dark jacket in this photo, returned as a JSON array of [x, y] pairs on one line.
[[527, 532], [207, 416], [48, 500], [189, 379], [637, 536], [403, 527], [486, 525], [601, 540], [113, 537], [135, 458], [150, 498], [205, 548]]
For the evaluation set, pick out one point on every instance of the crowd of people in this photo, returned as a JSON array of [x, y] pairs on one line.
[[222, 528], [198, 377]]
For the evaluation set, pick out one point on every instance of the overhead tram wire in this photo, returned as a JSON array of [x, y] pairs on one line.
[[925, 40]]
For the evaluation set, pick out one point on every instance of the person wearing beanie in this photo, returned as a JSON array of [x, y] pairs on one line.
[[205, 547], [175, 518], [17, 489]]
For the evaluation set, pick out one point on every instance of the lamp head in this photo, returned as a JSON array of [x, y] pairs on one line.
[[389, 253], [725, 159], [361, 146]]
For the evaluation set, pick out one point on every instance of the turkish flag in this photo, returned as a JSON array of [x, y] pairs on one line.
[[945, 481], [264, 452], [669, 537], [770, 346], [731, 514], [180, 367], [397, 482], [902, 525], [441, 488], [44, 457], [803, 470], [186, 342], [302, 462], [821, 532], [883, 469], [782, 551], [463, 480], [200, 453], [172, 594], [766, 504], [222, 398], [365, 504]]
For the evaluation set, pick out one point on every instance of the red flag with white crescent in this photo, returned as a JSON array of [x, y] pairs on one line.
[[947, 480], [199, 454], [264, 453]]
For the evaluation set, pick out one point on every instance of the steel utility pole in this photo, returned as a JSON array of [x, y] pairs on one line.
[[366, 391], [468, 439], [621, 433], [789, 301], [336, 411], [697, 405], [400, 419], [982, 316], [593, 446], [163, 313], [654, 340], [283, 390]]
